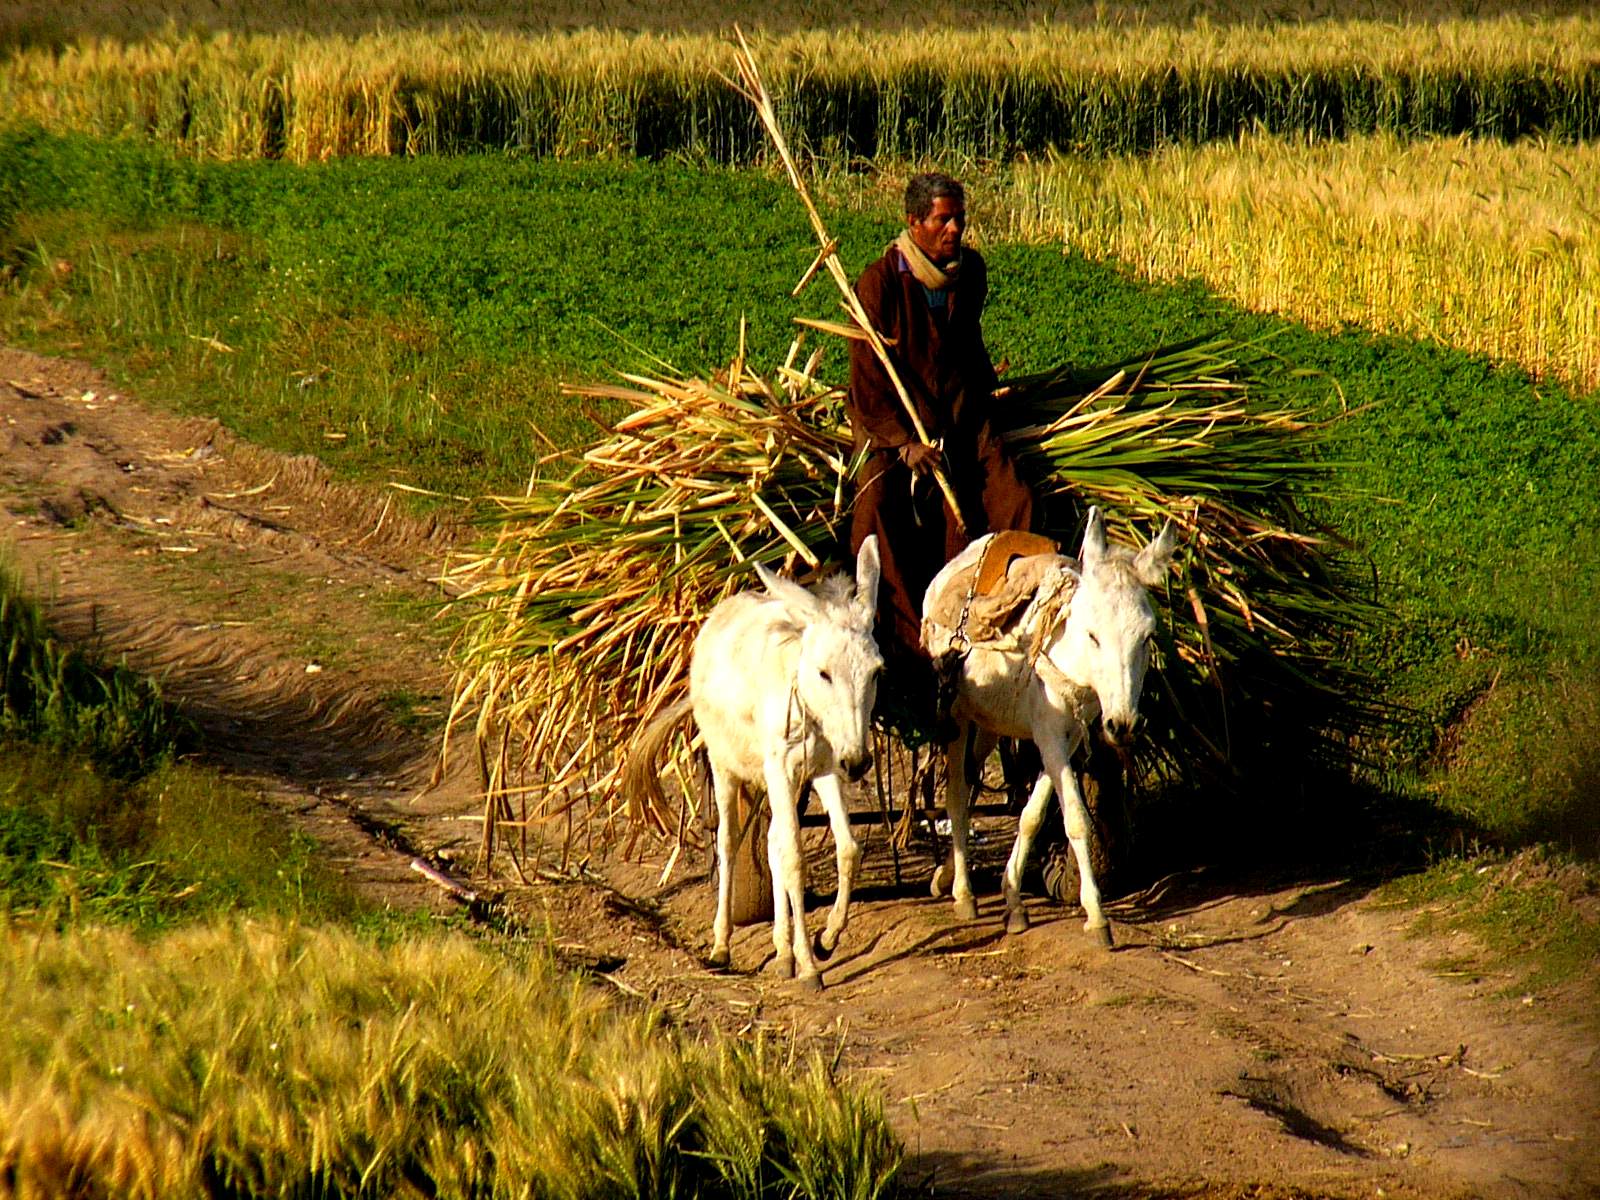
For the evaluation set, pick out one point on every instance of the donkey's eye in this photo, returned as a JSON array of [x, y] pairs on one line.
[[1094, 641], [825, 677]]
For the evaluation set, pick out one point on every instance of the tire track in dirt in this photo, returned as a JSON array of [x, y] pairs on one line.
[[228, 572]]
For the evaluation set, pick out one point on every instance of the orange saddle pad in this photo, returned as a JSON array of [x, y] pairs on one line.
[[1008, 544]]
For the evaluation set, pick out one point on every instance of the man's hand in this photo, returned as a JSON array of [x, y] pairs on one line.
[[922, 458]]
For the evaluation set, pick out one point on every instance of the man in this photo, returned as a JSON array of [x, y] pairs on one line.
[[925, 297]]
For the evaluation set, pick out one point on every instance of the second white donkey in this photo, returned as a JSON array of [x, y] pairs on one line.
[[1081, 653]]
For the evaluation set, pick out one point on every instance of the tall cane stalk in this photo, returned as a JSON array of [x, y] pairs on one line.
[[754, 89]]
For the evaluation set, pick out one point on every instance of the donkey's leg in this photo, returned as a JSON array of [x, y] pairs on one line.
[[1027, 829], [789, 937], [847, 856], [726, 789], [1058, 763], [777, 859], [958, 791]]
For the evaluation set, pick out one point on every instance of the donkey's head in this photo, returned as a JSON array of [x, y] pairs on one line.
[[836, 676], [1105, 643]]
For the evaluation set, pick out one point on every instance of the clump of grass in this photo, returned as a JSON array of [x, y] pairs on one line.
[[260, 1059], [100, 821], [1524, 910], [53, 694], [1522, 756], [78, 846]]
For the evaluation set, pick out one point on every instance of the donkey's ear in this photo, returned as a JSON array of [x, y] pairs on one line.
[[869, 569], [1094, 540], [1151, 563], [801, 604]]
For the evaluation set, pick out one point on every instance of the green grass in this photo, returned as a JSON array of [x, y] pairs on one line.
[[415, 712], [179, 844], [101, 822], [412, 324], [57, 696], [426, 310], [1520, 911]]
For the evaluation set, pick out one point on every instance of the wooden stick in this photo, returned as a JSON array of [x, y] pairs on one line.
[[817, 264], [433, 875], [1184, 962], [754, 89]]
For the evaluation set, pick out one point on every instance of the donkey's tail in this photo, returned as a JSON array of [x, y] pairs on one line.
[[641, 767]]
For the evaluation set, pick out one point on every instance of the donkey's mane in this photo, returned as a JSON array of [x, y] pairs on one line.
[[1120, 561], [835, 593], [837, 590]]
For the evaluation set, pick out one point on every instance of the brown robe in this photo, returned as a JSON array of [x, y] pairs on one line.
[[941, 359]]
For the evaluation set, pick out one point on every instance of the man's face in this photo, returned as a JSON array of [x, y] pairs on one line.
[[938, 235]]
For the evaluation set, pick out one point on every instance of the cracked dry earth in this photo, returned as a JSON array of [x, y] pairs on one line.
[[1275, 1037]]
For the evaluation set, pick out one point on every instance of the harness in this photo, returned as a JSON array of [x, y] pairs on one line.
[[958, 640], [793, 707], [947, 667], [1046, 609]]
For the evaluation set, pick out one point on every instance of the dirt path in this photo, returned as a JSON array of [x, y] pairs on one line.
[[1248, 1038]]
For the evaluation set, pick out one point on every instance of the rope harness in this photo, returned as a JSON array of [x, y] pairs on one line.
[[793, 710]]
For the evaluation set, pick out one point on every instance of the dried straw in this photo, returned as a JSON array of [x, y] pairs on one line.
[[577, 620]]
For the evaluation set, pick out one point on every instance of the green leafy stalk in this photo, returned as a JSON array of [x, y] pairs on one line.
[[577, 621]]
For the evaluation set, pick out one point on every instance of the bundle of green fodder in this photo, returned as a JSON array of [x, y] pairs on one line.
[[578, 620], [1260, 614]]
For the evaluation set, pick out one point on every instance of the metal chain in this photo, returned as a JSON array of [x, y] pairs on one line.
[[958, 640]]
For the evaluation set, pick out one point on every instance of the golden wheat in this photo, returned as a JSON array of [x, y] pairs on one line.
[[1483, 246], [987, 92], [262, 1059]]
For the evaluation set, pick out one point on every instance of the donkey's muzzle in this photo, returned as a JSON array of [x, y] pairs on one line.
[[1121, 732], [855, 768]]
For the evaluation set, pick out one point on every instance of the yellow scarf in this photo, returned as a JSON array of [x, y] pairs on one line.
[[928, 273]]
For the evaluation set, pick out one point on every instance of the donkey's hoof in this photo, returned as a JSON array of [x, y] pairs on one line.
[[1101, 936], [808, 983], [1016, 921], [719, 960], [966, 908], [820, 949], [783, 968], [939, 885]]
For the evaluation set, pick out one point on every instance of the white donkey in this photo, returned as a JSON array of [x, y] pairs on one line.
[[1081, 651], [782, 686]]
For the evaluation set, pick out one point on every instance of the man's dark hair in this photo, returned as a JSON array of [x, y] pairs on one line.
[[924, 189]]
